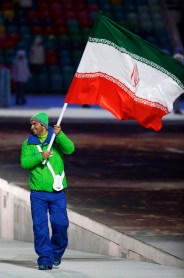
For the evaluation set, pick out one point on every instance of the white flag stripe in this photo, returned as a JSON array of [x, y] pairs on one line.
[[154, 85]]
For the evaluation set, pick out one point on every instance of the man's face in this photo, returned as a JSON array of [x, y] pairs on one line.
[[37, 128]]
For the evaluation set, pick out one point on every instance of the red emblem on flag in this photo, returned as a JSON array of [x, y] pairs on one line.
[[135, 76]]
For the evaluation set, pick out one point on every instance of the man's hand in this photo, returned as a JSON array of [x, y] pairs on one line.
[[46, 154], [57, 129]]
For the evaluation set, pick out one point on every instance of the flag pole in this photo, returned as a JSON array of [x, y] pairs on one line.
[[54, 135]]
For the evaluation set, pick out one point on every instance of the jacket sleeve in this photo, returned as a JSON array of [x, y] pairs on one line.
[[30, 157], [66, 146]]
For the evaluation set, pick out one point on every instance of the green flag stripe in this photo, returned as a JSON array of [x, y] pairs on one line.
[[107, 31]]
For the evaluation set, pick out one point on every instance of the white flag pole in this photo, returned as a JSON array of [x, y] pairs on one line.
[[54, 135]]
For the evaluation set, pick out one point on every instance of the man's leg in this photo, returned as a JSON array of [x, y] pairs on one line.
[[39, 207], [59, 223]]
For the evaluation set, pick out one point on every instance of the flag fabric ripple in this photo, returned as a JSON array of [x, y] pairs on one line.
[[126, 75]]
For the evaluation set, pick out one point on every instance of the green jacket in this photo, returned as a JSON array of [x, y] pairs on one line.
[[40, 177]]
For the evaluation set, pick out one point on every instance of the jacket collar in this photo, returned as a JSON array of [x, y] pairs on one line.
[[34, 140]]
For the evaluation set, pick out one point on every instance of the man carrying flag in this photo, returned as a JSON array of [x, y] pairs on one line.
[[47, 184], [126, 75]]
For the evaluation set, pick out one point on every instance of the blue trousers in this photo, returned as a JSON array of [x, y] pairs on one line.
[[49, 247]]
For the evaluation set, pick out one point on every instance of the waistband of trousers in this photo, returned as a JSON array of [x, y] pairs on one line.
[[55, 192]]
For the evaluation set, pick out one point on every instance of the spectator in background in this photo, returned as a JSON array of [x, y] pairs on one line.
[[37, 56], [25, 4], [179, 57], [20, 75]]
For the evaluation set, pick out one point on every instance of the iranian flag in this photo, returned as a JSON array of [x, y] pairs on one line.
[[126, 75]]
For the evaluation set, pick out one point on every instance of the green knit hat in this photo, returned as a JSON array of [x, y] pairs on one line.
[[41, 118]]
